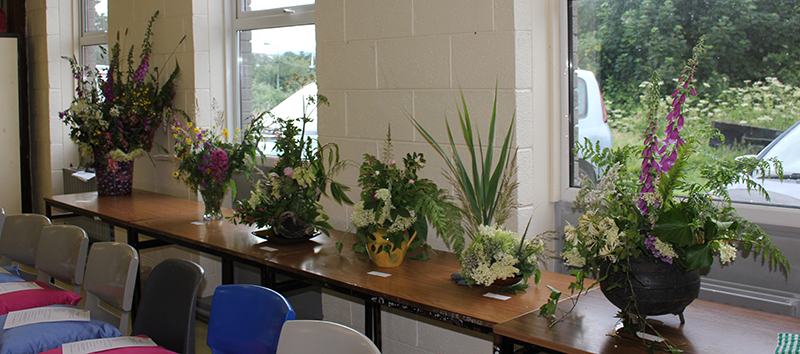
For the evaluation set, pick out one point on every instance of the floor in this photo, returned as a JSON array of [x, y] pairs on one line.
[[200, 333]]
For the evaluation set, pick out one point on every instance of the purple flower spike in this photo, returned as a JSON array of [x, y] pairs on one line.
[[138, 76]]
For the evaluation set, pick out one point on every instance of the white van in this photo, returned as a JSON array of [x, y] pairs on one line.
[[591, 120]]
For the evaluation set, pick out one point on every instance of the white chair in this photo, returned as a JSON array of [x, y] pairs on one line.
[[19, 240], [305, 336], [61, 255], [110, 277]]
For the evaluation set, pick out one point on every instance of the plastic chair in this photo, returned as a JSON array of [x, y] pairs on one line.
[[110, 277], [19, 240], [61, 255], [305, 336], [246, 319], [2, 220], [167, 308]]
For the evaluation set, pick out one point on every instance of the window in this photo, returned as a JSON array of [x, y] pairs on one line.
[[93, 37], [274, 39], [748, 82]]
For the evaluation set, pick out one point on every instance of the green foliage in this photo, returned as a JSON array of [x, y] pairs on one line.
[[272, 77], [399, 200], [624, 41], [299, 177], [484, 188]]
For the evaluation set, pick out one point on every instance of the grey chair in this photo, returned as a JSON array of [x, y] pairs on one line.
[[19, 240], [61, 255], [166, 310], [308, 336], [110, 277]]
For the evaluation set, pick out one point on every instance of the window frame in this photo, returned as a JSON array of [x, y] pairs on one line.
[[780, 216], [240, 20], [87, 38]]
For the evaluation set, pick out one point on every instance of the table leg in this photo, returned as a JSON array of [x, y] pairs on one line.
[[267, 277], [502, 346], [133, 241], [227, 271], [48, 211], [372, 322]]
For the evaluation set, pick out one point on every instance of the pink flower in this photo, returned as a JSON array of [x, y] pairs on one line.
[[391, 162], [411, 181], [288, 171]]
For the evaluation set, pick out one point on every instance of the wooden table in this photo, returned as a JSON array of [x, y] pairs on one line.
[[421, 287], [710, 328], [120, 211]]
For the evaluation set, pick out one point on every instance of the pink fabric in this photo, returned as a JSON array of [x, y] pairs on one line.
[[132, 350], [28, 299], [2, 20]]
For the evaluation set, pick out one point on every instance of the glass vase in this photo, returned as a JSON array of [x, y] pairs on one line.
[[212, 198]]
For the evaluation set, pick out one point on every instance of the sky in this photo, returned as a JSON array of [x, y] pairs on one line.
[[274, 40]]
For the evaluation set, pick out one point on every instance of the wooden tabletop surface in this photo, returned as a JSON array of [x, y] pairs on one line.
[[424, 285], [122, 210], [710, 328]]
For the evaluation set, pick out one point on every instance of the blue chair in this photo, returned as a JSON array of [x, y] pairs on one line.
[[246, 319]]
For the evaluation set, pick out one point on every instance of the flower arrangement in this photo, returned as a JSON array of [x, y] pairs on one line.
[[209, 157], [286, 200], [636, 212], [485, 189], [114, 116], [398, 200], [499, 254]]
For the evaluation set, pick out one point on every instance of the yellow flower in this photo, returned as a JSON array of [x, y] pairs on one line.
[[175, 174], [225, 133]]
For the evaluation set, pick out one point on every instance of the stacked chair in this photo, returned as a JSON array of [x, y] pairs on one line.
[[107, 273], [19, 239]]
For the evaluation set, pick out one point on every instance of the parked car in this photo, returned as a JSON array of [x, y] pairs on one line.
[[786, 148], [591, 120]]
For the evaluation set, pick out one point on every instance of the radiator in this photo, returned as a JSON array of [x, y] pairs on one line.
[[768, 300], [95, 229]]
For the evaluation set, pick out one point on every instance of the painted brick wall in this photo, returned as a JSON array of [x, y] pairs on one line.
[[380, 62]]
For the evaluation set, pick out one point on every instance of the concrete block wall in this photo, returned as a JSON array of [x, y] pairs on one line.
[[380, 62]]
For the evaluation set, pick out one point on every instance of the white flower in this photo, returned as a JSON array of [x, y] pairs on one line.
[[727, 252], [665, 248], [573, 258]]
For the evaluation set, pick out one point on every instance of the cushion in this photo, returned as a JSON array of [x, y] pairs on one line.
[[28, 299], [135, 350], [14, 276], [36, 338]]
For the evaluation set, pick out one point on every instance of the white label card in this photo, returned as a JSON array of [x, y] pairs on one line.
[[497, 296], [45, 314], [650, 337], [98, 345], [379, 274], [6, 288]]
